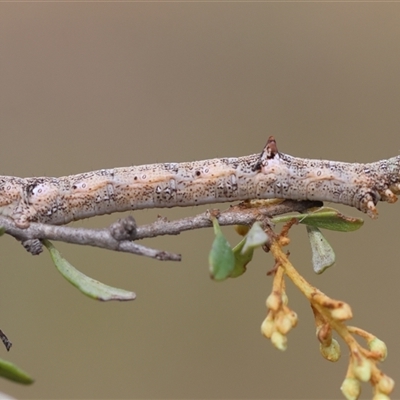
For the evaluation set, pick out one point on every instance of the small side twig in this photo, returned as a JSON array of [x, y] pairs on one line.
[[119, 236], [5, 340], [101, 238], [241, 214]]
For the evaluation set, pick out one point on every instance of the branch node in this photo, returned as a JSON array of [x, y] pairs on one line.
[[123, 229]]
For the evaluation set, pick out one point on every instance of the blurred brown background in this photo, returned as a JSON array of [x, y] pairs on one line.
[[96, 85]]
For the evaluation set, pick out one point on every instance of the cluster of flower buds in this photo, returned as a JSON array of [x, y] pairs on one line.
[[329, 315], [363, 368], [279, 321]]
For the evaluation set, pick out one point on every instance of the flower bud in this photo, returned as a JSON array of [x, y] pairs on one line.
[[274, 301], [378, 346], [279, 341], [351, 388], [385, 385], [362, 369], [331, 352], [283, 324], [292, 316], [268, 328]]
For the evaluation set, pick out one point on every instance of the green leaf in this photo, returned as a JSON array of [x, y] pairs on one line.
[[2, 230], [325, 218], [88, 286], [241, 259], [323, 255], [244, 250], [221, 259], [13, 373]]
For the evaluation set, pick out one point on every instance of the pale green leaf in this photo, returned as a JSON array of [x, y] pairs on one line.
[[323, 255], [256, 237], [325, 218], [88, 286], [244, 250]]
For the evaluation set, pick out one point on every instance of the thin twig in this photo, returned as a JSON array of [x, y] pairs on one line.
[[242, 214], [87, 237], [5, 340]]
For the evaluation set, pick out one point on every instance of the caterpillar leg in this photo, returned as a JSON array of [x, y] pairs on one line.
[[389, 196], [369, 200], [367, 204]]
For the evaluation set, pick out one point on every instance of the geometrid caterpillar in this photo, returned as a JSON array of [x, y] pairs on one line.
[[270, 174]]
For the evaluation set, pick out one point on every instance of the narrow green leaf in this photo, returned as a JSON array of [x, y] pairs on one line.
[[325, 218], [13, 373], [2, 230], [221, 259], [323, 255], [244, 250], [88, 286], [241, 259]]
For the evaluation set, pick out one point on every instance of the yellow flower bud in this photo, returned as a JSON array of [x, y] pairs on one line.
[[362, 369], [351, 388], [385, 385], [279, 341], [293, 318], [379, 346], [274, 301], [268, 328], [283, 324], [331, 352]]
